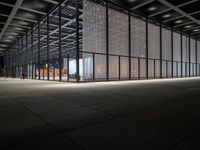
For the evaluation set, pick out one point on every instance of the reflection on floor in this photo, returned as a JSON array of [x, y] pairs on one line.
[[124, 115]]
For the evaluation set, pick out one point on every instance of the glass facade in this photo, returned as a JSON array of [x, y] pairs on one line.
[[86, 40]]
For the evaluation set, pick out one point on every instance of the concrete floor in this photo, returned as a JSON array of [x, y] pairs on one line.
[[128, 115]]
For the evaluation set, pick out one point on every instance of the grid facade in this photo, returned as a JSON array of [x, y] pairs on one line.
[[87, 40]]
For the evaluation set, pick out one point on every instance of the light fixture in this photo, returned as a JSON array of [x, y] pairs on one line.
[[8, 40], [2, 45], [167, 16], [13, 33], [23, 22], [10, 37], [132, 0], [152, 8], [189, 26], [196, 30], [178, 21], [17, 28]]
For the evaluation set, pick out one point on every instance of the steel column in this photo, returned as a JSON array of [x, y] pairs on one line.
[[39, 51], [160, 50], [77, 41], [181, 54], [60, 44], [47, 47], [129, 38], [189, 58], [107, 42], [172, 53], [147, 51]]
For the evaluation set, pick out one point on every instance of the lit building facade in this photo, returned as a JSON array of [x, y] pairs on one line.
[[87, 40]]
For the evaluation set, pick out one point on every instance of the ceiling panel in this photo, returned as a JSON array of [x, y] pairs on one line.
[[151, 8]]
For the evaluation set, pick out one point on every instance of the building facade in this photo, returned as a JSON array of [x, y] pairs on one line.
[[98, 40]]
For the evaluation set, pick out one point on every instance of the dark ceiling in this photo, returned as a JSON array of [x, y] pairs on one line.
[[18, 16]]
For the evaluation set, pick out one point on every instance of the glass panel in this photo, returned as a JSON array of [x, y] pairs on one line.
[[94, 39], [114, 67], [166, 44]]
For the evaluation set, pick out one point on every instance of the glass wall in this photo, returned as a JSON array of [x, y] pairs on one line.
[[192, 57], [176, 54], [153, 50], [94, 40], [138, 48], [166, 53], [198, 58], [90, 40], [185, 65], [118, 43]]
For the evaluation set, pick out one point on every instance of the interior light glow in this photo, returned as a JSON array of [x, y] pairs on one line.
[[152, 8], [196, 30], [113, 83], [189, 26], [178, 21], [167, 16], [17, 28], [2, 45]]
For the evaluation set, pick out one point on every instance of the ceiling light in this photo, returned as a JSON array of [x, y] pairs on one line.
[[132, 0], [2, 45], [23, 22], [10, 37], [189, 26], [8, 40], [17, 28], [152, 8], [178, 21], [196, 30], [166, 16], [13, 33]]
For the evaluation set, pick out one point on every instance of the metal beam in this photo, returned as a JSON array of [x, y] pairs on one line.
[[179, 11], [182, 24], [160, 12], [11, 16], [142, 4], [24, 19], [4, 15], [191, 28]]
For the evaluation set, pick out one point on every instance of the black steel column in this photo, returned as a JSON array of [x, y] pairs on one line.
[[93, 56], [129, 38], [22, 56], [139, 68], [189, 58], [154, 68], [26, 56], [32, 51], [68, 67], [18, 59], [160, 50], [77, 41], [181, 54], [196, 55], [60, 44], [119, 67], [47, 47], [172, 53], [147, 51], [39, 51], [107, 42]]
